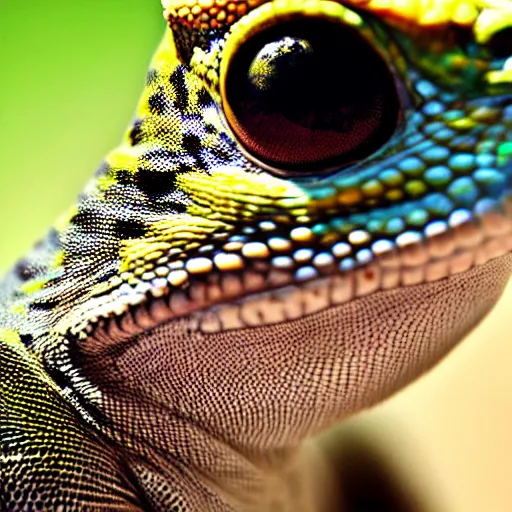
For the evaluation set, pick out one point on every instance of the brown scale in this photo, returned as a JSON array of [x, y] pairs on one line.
[[207, 14], [194, 21]]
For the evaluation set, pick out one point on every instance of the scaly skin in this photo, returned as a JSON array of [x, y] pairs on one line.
[[209, 303]]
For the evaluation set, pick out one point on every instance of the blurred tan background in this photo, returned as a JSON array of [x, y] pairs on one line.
[[70, 75]]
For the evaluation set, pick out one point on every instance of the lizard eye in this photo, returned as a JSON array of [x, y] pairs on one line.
[[309, 94]]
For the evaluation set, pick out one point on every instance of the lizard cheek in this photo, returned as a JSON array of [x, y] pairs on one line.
[[310, 94]]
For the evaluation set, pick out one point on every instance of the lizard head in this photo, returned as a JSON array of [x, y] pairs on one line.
[[310, 209]]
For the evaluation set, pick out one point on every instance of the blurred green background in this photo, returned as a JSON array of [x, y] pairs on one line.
[[70, 76]]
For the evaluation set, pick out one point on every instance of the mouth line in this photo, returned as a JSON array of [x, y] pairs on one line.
[[253, 299]]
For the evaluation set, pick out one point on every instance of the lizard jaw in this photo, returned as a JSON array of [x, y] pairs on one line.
[[255, 299]]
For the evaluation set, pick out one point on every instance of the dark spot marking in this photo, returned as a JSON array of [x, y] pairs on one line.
[[204, 98], [124, 177], [180, 88], [26, 339], [154, 183], [192, 145], [24, 270], [128, 228], [45, 305], [136, 134], [86, 218], [157, 103]]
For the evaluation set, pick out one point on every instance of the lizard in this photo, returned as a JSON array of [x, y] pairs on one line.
[[310, 209]]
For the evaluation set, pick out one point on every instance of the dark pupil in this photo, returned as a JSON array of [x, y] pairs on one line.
[[310, 93]]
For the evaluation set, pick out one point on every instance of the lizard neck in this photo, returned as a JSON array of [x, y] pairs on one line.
[[179, 434], [234, 408], [187, 437]]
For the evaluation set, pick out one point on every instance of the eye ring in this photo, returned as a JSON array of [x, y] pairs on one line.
[[283, 95]]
